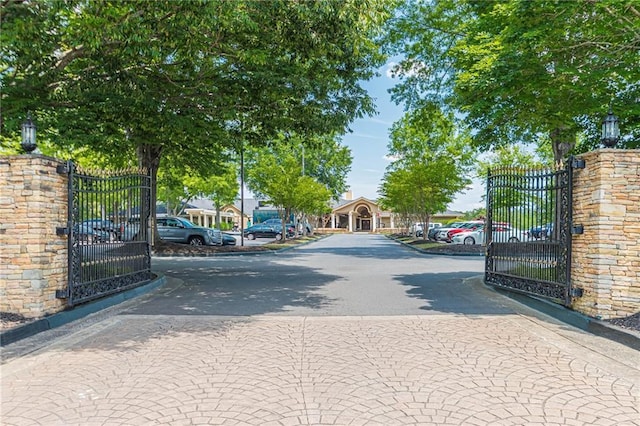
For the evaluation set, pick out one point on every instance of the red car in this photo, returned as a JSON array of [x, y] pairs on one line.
[[473, 225]]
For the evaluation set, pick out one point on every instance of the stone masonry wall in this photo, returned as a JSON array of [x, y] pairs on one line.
[[606, 258], [33, 259]]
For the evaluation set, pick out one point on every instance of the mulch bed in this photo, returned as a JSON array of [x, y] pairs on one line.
[[456, 249], [169, 249], [631, 322], [442, 248], [9, 320]]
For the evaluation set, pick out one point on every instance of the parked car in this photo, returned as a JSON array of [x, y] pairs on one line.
[[418, 228], [431, 234], [228, 239], [106, 225], [87, 234], [443, 233], [131, 229], [290, 226], [500, 233], [261, 230], [541, 232], [443, 230], [468, 226], [180, 230]]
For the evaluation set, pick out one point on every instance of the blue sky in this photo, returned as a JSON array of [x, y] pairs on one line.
[[368, 144]]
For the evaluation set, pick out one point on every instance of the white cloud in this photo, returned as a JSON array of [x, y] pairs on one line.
[[376, 120], [390, 158], [366, 136]]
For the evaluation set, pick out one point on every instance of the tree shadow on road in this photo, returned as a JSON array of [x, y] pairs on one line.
[[239, 291], [452, 292]]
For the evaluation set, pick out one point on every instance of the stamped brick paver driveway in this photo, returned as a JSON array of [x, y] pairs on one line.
[[350, 330]]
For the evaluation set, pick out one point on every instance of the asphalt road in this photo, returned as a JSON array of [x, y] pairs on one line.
[[341, 275]]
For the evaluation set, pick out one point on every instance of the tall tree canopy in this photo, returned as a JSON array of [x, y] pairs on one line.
[[167, 77], [519, 69], [323, 158]]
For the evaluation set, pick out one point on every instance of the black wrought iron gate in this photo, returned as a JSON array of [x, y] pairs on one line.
[[539, 203], [107, 229]]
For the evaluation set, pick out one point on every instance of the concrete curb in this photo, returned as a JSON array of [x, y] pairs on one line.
[[61, 318]]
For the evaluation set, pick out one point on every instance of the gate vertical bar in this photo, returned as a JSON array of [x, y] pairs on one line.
[[569, 172]]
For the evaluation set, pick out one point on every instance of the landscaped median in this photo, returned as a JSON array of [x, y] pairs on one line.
[[433, 247], [165, 249]]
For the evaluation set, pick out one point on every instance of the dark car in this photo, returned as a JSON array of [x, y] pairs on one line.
[[541, 232], [291, 228], [180, 230], [86, 233], [433, 232], [261, 230], [105, 225], [228, 239]]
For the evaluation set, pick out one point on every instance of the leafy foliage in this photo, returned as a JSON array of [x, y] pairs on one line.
[[143, 81], [432, 162], [276, 174], [516, 69]]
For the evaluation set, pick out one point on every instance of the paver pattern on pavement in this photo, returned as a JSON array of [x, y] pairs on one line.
[[460, 370], [462, 365]]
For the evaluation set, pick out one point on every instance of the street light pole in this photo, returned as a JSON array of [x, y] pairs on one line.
[[241, 193]]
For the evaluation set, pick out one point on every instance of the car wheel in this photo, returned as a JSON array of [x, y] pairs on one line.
[[196, 241], [251, 237], [278, 237], [514, 240], [469, 241]]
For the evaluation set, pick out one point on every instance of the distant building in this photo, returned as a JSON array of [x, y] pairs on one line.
[[347, 215]]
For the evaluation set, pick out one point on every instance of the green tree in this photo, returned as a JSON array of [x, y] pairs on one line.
[[516, 69], [432, 161], [177, 186], [276, 174], [144, 80], [322, 157]]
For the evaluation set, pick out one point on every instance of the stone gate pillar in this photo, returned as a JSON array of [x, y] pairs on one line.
[[606, 257], [33, 259]]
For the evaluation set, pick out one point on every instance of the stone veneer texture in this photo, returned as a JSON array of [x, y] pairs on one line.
[[33, 259], [606, 258]]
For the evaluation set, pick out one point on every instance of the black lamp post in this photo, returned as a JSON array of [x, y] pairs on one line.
[[28, 135], [610, 130]]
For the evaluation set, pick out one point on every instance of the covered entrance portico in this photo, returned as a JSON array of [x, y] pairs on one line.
[[361, 215]]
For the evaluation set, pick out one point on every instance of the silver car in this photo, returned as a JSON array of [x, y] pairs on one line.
[[180, 230]]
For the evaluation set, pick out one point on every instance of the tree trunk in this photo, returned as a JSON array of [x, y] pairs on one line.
[[149, 158], [563, 140]]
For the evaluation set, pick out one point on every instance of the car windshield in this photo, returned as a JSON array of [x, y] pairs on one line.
[[186, 223], [468, 225]]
